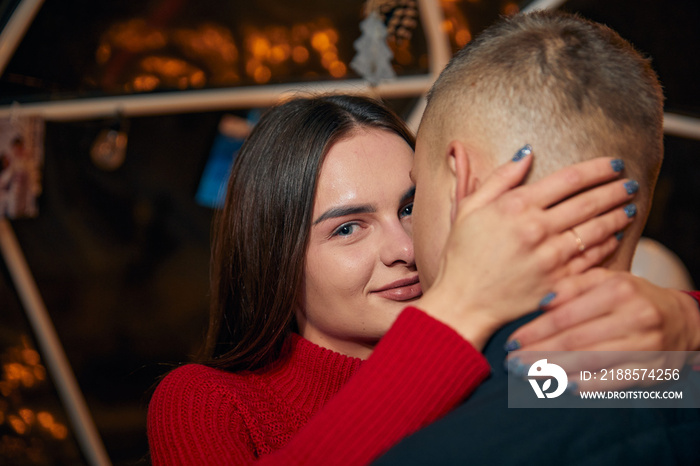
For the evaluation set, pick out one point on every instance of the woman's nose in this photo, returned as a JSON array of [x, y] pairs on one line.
[[397, 246]]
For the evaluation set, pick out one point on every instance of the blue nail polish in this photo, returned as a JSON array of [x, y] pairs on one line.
[[512, 345], [617, 165], [619, 235], [547, 299], [630, 210], [571, 387], [631, 187], [522, 153], [520, 369], [516, 367]]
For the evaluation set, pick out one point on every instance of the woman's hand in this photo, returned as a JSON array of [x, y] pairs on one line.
[[612, 311], [509, 246]]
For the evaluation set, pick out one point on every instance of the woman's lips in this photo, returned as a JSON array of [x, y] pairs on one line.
[[401, 290]]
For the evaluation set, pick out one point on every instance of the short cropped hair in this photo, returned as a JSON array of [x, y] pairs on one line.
[[572, 88]]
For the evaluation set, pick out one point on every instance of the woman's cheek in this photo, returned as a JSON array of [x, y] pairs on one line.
[[352, 270]]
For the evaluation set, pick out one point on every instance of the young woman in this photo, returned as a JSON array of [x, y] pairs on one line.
[[315, 352]]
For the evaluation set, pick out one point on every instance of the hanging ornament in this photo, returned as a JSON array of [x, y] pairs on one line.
[[21, 158], [373, 58], [400, 17], [108, 151]]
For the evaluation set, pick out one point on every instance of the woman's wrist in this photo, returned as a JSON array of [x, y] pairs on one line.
[[474, 323]]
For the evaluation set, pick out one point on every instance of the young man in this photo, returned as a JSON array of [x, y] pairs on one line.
[[573, 90]]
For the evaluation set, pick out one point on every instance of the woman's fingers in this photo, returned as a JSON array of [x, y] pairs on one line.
[[575, 250], [589, 335], [587, 244], [504, 178], [585, 206], [600, 237], [592, 257], [568, 181], [579, 306]]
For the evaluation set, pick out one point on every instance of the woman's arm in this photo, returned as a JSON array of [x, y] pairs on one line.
[[418, 372]]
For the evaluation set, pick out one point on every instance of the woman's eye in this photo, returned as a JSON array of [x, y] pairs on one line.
[[406, 211], [345, 230]]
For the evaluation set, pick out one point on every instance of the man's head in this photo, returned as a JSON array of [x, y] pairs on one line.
[[572, 89]]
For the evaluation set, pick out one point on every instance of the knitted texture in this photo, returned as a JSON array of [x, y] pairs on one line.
[[295, 412]]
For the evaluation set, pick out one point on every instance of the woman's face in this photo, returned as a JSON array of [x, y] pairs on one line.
[[360, 269]]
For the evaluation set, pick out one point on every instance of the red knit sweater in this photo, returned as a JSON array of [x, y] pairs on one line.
[[418, 372]]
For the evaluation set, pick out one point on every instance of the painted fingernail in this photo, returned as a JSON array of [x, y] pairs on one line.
[[512, 345], [631, 187], [571, 387], [522, 153], [547, 299], [617, 165], [515, 367], [619, 235], [630, 210]]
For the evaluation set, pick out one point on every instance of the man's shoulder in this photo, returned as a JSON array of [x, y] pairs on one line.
[[484, 430]]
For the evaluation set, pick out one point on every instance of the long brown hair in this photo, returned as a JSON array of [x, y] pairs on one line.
[[261, 234]]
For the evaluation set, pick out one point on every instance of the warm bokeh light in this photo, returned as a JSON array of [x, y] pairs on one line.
[[455, 24], [402, 53], [337, 69], [27, 416], [17, 424], [30, 356], [259, 47], [59, 431], [262, 74], [135, 36], [145, 82], [279, 53], [13, 371], [145, 55], [328, 57], [45, 419], [27, 433], [300, 54], [320, 41], [210, 41], [39, 373], [510, 8], [251, 66], [462, 37]]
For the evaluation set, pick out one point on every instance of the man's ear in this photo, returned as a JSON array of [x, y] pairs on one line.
[[459, 165]]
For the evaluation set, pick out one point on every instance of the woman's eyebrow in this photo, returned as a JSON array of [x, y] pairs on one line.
[[408, 194], [335, 212]]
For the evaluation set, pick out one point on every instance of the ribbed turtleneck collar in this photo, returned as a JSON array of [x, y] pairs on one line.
[[307, 375]]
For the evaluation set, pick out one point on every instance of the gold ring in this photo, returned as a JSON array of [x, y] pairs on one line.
[[579, 242]]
